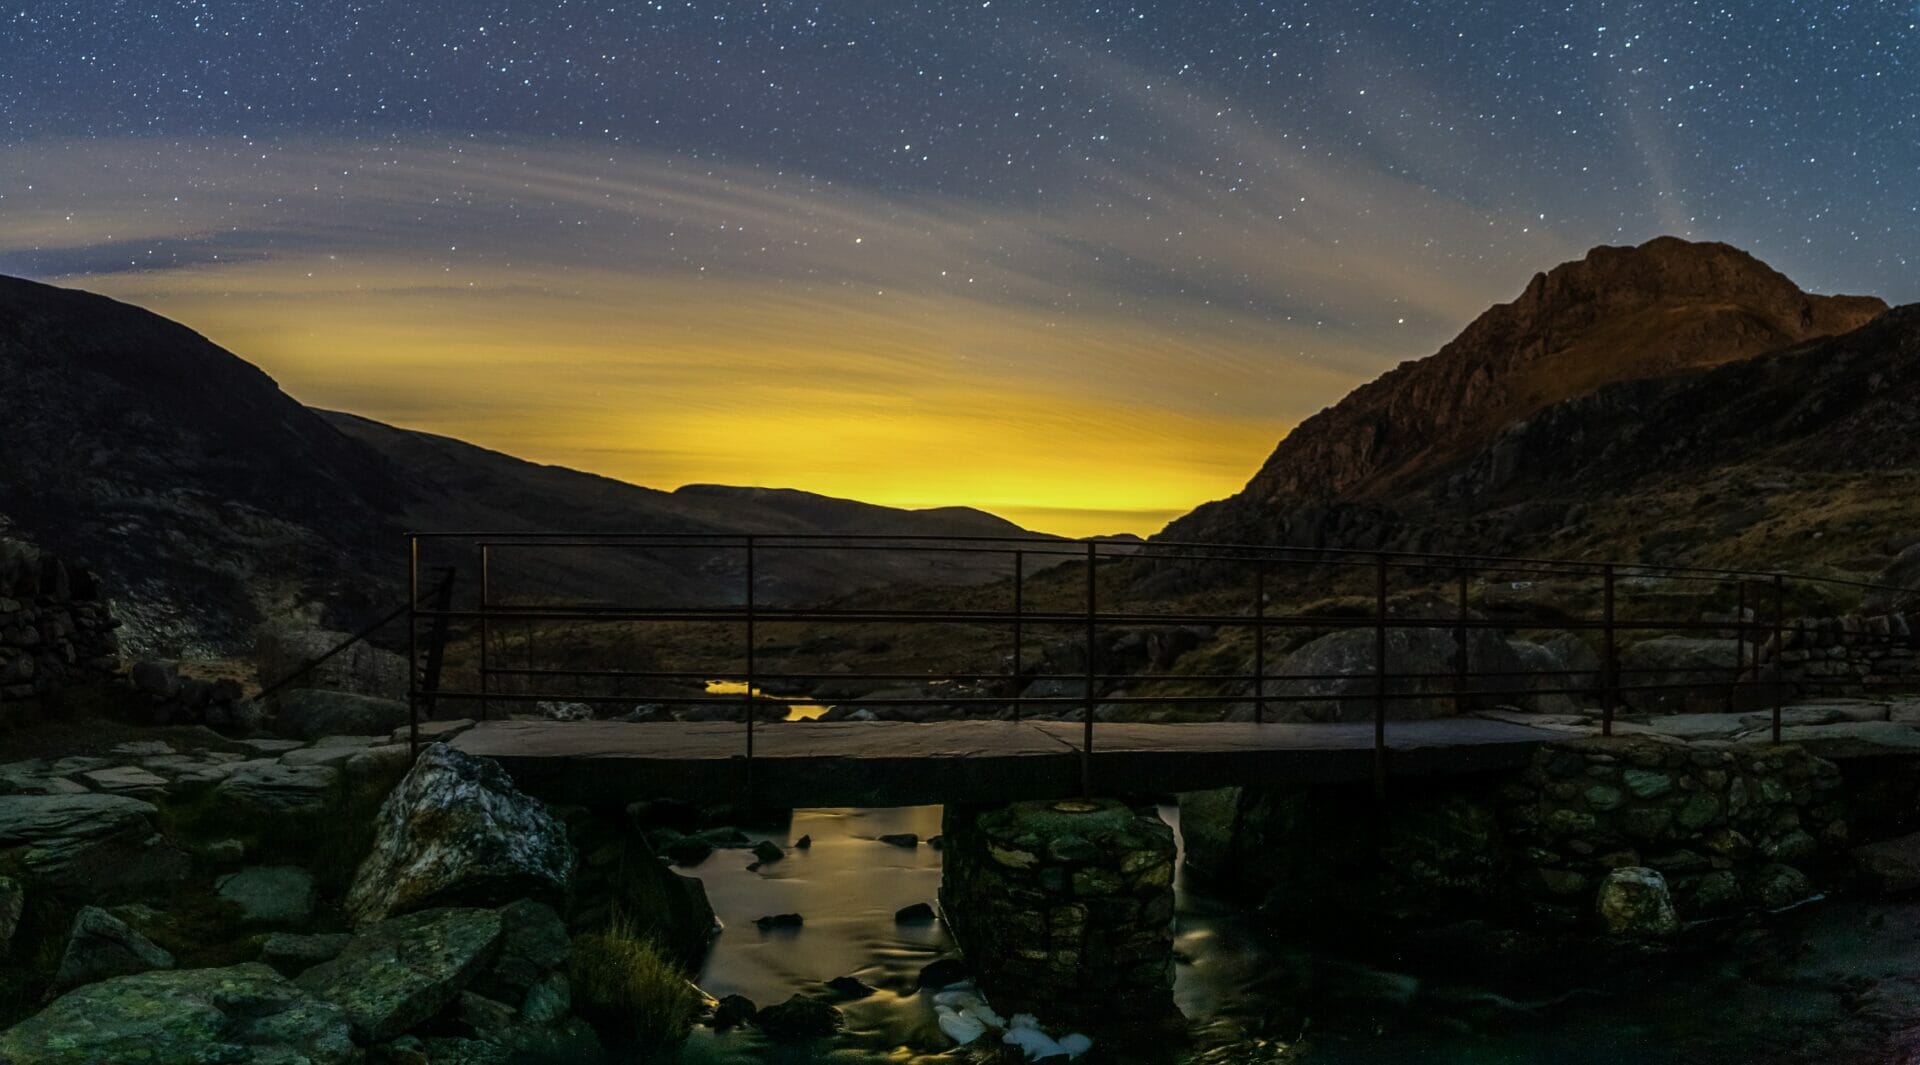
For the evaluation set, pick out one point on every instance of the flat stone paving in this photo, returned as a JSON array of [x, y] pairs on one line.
[[892, 763]]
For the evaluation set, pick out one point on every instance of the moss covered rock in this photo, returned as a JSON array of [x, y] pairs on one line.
[[398, 974], [184, 1017]]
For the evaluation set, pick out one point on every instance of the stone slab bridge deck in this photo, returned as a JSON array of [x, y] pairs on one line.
[[889, 763]]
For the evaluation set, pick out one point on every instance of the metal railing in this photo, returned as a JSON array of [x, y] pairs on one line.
[[532, 584]]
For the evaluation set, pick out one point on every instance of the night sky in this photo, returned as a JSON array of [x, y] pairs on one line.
[[1080, 264]]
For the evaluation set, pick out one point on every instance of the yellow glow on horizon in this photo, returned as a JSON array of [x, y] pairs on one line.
[[669, 383]]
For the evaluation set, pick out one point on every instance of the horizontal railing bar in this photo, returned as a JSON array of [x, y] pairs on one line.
[[988, 617], [1078, 701], [1125, 549], [1150, 678]]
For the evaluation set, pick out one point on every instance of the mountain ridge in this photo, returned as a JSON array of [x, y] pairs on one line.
[[208, 499], [1617, 314]]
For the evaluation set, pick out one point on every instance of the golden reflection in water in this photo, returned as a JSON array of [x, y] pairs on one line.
[[801, 711]]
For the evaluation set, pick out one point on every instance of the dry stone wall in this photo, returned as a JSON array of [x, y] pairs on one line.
[[55, 625], [1065, 909], [1847, 656], [1730, 827]]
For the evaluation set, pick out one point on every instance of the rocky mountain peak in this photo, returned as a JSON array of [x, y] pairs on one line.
[[1618, 314]]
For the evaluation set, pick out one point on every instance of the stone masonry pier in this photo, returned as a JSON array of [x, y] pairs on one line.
[[1065, 908]]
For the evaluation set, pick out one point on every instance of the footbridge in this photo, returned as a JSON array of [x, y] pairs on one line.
[[809, 670]]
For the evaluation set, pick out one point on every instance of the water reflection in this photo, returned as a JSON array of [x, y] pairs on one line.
[[846, 887], [796, 711], [1834, 983]]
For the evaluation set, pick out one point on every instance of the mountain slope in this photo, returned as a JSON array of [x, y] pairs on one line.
[[1619, 314], [462, 486], [207, 498], [1804, 458], [179, 472]]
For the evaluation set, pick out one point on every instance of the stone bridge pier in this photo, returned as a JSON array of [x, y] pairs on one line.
[[1064, 909]]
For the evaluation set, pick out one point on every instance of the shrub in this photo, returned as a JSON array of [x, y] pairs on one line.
[[626, 986]]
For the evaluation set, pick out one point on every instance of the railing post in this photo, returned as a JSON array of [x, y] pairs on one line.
[[1260, 643], [750, 669], [1380, 680], [1460, 667], [486, 602], [1739, 642], [413, 645], [1609, 661], [1086, 741], [1019, 634], [1779, 652]]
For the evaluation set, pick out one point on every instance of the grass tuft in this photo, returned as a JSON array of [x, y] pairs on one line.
[[625, 984]]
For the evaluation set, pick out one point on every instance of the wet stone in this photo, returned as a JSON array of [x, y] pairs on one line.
[[918, 913]]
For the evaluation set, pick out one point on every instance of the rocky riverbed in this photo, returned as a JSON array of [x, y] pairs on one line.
[[194, 896]]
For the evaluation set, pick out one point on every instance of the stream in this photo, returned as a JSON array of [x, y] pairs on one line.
[[1832, 983]]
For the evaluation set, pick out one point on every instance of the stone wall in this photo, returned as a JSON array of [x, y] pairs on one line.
[[1064, 909], [1731, 827], [55, 626], [1847, 656]]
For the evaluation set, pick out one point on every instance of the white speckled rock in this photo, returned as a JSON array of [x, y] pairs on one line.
[[1633, 901], [457, 832]]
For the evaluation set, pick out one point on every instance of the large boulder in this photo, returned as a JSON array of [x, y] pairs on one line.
[[1544, 686], [90, 845], [1899, 584], [1332, 678], [398, 974], [1634, 903], [1891, 866], [1679, 674], [310, 713], [1578, 657], [457, 832], [184, 1017], [102, 946], [280, 650]]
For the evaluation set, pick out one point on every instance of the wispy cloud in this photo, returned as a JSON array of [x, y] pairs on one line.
[[670, 321]]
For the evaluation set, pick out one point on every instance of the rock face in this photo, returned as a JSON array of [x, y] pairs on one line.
[[279, 650], [1620, 314], [456, 831], [1705, 668], [1424, 661], [310, 713], [1891, 867], [400, 973], [102, 946], [188, 1017], [1633, 902]]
